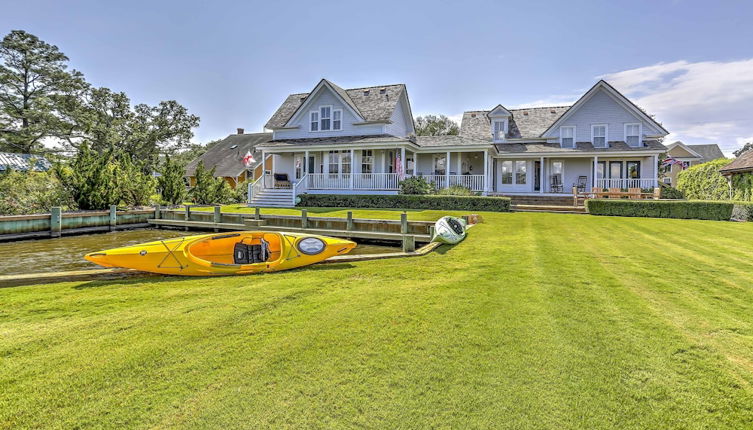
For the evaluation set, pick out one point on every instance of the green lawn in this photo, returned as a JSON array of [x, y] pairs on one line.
[[535, 321]]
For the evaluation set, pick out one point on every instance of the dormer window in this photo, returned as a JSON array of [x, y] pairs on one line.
[[567, 137], [337, 121], [314, 121], [499, 129], [599, 135], [326, 119], [633, 134]]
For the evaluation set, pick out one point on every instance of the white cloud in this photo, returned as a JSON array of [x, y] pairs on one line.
[[701, 102]]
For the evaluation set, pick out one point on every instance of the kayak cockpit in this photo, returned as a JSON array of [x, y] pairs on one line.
[[237, 249]]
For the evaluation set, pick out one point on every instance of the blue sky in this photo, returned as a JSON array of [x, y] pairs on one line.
[[232, 63]]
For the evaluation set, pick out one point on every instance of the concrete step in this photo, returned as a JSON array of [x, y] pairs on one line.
[[549, 208]]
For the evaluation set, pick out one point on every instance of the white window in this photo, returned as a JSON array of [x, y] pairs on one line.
[[507, 172], [314, 121], [367, 161], [567, 137], [439, 164], [499, 130], [337, 119], [345, 160], [520, 172], [325, 118], [599, 135], [334, 162], [633, 134]]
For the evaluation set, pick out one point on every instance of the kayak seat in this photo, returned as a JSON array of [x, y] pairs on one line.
[[251, 254]]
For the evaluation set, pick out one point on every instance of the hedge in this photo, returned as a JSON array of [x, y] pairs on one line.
[[704, 182], [406, 201], [742, 211], [719, 211]]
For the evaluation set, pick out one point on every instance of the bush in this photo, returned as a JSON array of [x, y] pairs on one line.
[[719, 211], [416, 185], [406, 201], [23, 193], [456, 190], [668, 192], [742, 187], [91, 179], [136, 187], [171, 184], [742, 211], [704, 182], [210, 190]]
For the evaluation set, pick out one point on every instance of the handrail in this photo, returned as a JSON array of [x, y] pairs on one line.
[[303, 180], [252, 186]]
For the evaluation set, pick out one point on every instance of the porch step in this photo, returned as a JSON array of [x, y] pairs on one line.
[[549, 208], [277, 198]]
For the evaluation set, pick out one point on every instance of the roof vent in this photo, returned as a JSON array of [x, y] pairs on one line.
[[473, 115], [525, 113], [382, 90], [552, 111], [303, 98], [240, 130], [234, 146], [366, 92]]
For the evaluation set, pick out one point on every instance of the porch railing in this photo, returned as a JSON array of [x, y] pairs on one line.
[[376, 181], [255, 187], [360, 181], [626, 183], [473, 182], [300, 187]]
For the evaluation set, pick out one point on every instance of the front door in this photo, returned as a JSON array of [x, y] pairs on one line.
[[514, 176]]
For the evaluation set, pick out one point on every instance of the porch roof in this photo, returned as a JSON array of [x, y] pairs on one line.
[[441, 141], [652, 146], [336, 140]]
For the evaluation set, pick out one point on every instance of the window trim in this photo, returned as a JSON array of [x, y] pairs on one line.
[[574, 131], [640, 133], [311, 121], [321, 117], [367, 154], [606, 135], [332, 121], [494, 129]]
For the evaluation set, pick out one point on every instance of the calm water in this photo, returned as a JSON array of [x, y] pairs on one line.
[[67, 253]]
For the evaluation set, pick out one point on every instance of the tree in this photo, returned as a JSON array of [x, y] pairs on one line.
[[171, 182], [107, 120], [704, 182], [37, 92], [136, 186], [31, 192], [91, 178], [433, 125], [745, 148], [208, 189]]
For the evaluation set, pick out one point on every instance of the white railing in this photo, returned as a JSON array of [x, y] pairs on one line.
[[626, 183], [255, 187], [472, 182], [361, 181], [300, 186], [440, 181], [329, 181]]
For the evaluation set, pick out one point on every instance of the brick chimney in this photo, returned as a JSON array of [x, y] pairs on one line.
[[240, 131]]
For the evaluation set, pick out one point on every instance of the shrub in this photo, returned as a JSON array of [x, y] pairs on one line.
[[719, 211], [668, 192], [407, 201], [91, 179], [456, 190], [704, 182], [742, 187], [210, 190], [171, 183], [24, 193], [742, 211], [416, 185], [136, 186]]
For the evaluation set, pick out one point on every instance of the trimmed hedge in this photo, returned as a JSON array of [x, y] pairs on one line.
[[406, 201], [742, 211], [719, 211]]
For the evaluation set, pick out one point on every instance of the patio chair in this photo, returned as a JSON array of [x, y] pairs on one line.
[[598, 192], [581, 185], [556, 184], [282, 181], [614, 193], [634, 193]]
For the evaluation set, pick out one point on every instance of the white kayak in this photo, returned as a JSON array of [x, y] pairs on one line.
[[449, 229]]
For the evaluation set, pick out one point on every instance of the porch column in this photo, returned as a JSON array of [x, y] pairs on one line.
[[595, 171], [306, 163], [325, 162], [655, 158], [352, 167], [486, 172], [263, 169], [460, 164], [402, 159], [447, 171], [541, 175]]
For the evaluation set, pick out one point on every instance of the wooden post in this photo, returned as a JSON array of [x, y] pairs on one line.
[[217, 217], [304, 218], [257, 213], [56, 224], [113, 216], [409, 243], [349, 225], [431, 232], [157, 211], [188, 216], [404, 223]]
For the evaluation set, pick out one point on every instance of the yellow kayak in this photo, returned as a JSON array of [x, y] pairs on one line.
[[238, 253]]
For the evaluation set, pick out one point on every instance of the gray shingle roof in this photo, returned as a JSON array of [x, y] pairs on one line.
[[527, 123], [708, 152], [518, 148], [23, 162], [437, 141], [368, 101], [227, 155], [341, 140], [743, 163]]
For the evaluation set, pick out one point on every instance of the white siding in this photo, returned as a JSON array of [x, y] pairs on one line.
[[399, 126], [601, 108]]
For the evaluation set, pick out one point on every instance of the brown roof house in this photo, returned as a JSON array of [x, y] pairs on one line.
[[226, 157], [741, 164]]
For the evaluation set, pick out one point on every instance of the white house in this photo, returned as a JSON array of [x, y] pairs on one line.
[[362, 141]]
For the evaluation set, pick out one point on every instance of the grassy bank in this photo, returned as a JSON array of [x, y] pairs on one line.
[[535, 321]]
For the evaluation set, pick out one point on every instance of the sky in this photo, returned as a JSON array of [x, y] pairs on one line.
[[688, 63]]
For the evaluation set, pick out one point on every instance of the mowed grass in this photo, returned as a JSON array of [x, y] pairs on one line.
[[534, 321]]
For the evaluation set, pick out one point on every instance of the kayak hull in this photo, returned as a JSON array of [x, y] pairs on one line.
[[213, 254], [450, 230]]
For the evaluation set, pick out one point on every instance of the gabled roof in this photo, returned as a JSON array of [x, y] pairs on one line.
[[499, 110], [526, 123], [743, 163], [226, 156], [708, 152], [685, 147], [602, 84], [23, 162], [370, 103]]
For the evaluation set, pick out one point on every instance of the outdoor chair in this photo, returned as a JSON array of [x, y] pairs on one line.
[[556, 184], [614, 193], [282, 181], [634, 193], [597, 192], [581, 185]]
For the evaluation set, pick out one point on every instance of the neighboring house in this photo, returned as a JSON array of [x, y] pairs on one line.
[[741, 164], [361, 140], [686, 156], [226, 157], [23, 162]]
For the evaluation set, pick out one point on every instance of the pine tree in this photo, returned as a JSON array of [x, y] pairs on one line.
[[171, 182], [91, 178]]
